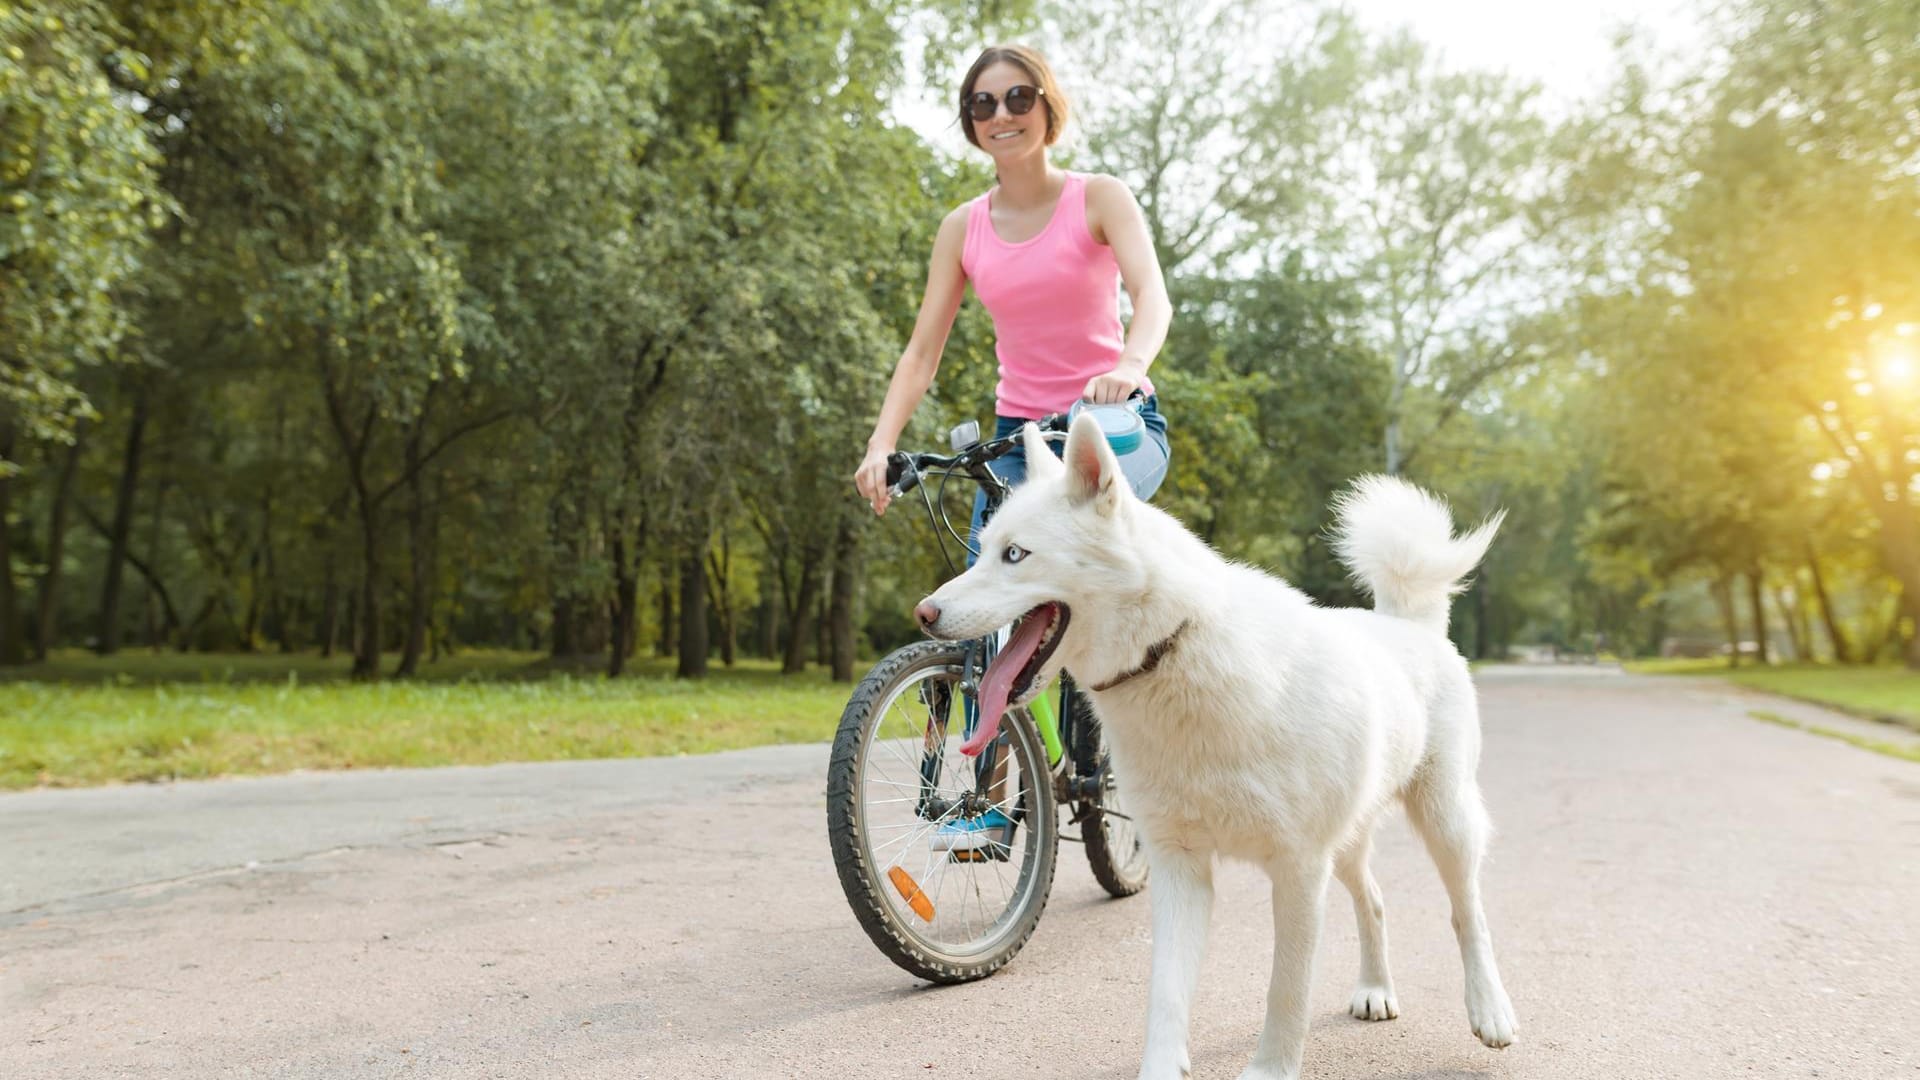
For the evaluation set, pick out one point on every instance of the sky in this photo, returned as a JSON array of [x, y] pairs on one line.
[[1566, 47]]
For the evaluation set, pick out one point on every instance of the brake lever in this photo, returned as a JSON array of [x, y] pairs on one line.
[[902, 477]]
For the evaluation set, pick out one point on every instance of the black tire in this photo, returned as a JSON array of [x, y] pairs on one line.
[[858, 829], [1114, 851]]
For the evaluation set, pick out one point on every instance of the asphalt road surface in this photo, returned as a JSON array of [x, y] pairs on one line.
[[1676, 890]]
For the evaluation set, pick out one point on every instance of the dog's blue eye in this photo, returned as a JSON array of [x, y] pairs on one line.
[[1014, 553]]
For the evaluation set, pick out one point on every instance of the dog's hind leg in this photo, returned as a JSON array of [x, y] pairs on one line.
[[1299, 896], [1182, 896], [1373, 998], [1446, 809]]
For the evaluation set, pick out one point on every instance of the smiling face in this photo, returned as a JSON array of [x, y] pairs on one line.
[[1004, 135], [1007, 136]]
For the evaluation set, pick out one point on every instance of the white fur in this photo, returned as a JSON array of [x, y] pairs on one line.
[[1275, 731]]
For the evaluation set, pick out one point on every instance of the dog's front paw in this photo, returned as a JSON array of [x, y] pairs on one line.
[[1258, 1071], [1374, 1003], [1491, 1016], [1166, 1067]]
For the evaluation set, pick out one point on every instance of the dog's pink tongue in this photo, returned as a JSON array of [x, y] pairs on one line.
[[996, 686]]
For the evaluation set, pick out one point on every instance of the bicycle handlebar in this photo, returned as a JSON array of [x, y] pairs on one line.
[[904, 470]]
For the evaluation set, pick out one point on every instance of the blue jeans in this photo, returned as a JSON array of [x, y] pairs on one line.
[[1013, 466]]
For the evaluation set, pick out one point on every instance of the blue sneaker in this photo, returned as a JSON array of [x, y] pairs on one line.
[[989, 835]]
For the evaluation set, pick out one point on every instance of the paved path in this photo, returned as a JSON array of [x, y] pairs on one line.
[[1677, 890]]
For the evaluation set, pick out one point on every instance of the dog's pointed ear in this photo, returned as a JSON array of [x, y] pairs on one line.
[[1093, 473], [1041, 464]]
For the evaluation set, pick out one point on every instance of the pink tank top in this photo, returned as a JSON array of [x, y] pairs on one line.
[[1055, 302]]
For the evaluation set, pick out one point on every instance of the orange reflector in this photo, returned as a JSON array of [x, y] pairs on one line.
[[910, 892]]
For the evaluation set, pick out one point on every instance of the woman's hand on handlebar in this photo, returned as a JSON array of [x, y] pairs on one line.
[[871, 478], [1125, 378]]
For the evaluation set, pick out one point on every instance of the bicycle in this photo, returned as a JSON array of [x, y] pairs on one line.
[[897, 788]]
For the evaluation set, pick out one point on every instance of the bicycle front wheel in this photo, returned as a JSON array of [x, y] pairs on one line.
[[946, 860]]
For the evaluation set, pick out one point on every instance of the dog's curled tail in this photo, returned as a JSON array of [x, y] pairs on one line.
[[1398, 543]]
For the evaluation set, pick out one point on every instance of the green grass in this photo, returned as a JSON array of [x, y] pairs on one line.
[[1878, 746], [79, 720], [1882, 692]]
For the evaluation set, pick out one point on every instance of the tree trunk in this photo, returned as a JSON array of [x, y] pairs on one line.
[[564, 641], [353, 619], [693, 614], [170, 624], [56, 549], [1657, 627], [109, 635], [285, 614], [1910, 603], [1899, 537], [769, 617], [156, 588], [1796, 625], [665, 644], [250, 630], [840, 610], [564, 528], [628, 632], [799, 617], [1722, 590], [12, 648], [1759, 617], [329, 609], [818, 620], [420, 562], [1482, 635], [366, 646], [1837, 637], [626, 597], [720, 594], [1402, 371]]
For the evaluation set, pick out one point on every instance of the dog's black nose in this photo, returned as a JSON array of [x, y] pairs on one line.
[[927, 614]]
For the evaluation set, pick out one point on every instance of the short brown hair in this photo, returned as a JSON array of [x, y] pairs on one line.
[[1035, 65]]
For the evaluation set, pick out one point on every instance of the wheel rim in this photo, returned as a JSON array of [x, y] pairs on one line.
[[1124, 848], [976, 905]]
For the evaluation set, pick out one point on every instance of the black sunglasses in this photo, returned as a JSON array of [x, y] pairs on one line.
[[980, 105]]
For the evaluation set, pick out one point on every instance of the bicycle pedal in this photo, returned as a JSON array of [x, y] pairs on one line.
[[978, 855]]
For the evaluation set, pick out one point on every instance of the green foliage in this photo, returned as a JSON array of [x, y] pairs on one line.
[[1225, 152], [78, 197], [1273, 394], [482, 322], [1760, 359], [1439, 172]]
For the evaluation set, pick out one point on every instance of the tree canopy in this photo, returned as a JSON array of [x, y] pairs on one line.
[[389, 327]]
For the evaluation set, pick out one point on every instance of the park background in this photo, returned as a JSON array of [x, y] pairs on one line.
[[396, 382]]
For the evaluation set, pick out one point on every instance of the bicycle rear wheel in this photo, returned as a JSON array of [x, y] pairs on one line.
[[1114, 849], [897, 779]]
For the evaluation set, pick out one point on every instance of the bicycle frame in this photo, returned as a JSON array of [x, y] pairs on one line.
[[1056, 736]]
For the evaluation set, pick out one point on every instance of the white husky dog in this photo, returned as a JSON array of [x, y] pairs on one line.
[[1246, 722]]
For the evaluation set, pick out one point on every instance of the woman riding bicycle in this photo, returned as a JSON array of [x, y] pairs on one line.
[[946, 858], [1044, 250]]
